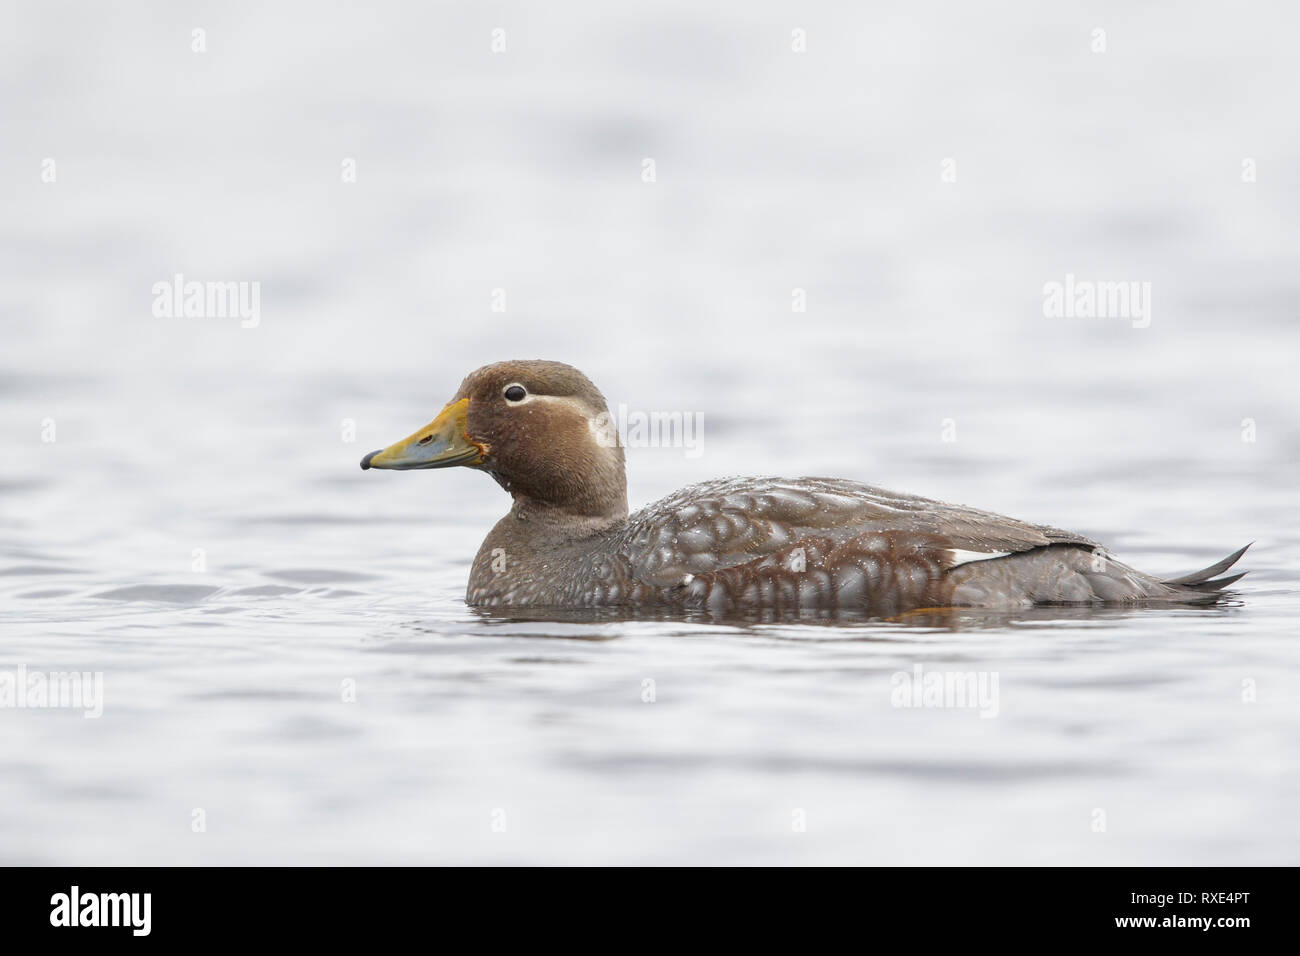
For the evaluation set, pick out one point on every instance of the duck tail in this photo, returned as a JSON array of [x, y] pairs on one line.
[[1205, 580]]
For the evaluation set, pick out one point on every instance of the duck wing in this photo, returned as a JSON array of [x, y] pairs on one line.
[[728, 523]]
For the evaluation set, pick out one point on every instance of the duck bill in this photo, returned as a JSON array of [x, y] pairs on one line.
[[443, 443]]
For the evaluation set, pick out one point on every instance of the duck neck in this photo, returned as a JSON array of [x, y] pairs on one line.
[[586, 489], [548, 517]]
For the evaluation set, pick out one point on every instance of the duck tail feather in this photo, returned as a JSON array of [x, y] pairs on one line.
[[1218, 584], [1204, 579]]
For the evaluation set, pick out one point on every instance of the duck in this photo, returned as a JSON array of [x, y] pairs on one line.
[[540, 429]]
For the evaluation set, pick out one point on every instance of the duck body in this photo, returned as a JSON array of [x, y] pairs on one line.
[[736, 544], [821, 544]]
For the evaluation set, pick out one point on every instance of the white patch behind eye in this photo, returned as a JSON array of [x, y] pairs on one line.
[[599, 428], [572, 403]]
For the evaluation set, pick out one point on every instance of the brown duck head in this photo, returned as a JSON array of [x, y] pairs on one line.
[[541, 429]]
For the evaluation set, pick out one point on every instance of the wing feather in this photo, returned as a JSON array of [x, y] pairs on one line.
[[728, 522]]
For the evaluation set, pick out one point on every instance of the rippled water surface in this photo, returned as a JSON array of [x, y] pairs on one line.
[[199, 532]]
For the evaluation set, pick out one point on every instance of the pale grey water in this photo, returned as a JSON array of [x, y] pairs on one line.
[[522, 171]]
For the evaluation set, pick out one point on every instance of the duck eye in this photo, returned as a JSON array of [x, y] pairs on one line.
[[516, 393]]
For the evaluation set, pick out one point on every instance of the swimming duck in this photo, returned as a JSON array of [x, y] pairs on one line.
[[539, 428]]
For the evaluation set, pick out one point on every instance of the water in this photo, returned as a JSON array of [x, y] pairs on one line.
[[195, 443]]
